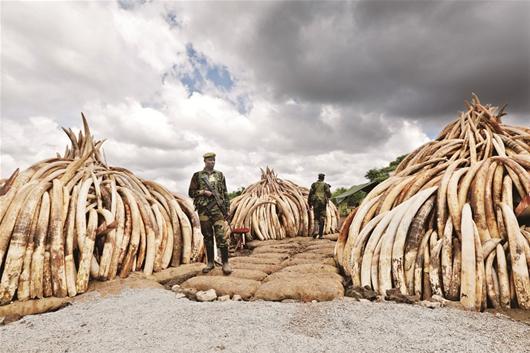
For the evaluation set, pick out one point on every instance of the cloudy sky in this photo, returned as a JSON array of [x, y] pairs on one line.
[[302, 87]]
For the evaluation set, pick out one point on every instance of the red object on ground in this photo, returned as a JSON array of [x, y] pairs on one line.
[[239, 233], [241, 230]]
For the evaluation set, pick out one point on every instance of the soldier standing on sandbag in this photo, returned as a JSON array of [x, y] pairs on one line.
[[210, 197], [319, 195]]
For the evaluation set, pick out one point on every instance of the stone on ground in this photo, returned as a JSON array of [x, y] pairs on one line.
[[206, 296]]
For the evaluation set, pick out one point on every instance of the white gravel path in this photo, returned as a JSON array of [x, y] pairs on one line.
[[153, 320]]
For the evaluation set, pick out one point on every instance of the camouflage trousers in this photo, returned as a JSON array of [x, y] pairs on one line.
[[212, 225], [320, 215], [320, 212]]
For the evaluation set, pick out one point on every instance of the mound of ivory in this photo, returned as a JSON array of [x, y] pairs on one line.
[[66, 220], [446, 222], [274, 209]]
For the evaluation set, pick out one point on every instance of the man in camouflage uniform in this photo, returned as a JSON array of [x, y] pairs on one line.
[[319, 195], [210, 215]]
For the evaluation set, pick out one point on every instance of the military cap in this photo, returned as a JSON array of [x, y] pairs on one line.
[[208, 155], [321, 175]]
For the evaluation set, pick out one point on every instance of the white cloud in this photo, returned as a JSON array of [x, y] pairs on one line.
[[64, 54], [26, 143], [129, 122], [122, 68]]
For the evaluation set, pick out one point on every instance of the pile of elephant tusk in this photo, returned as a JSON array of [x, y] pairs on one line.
[[445, 223], [274, 209], [69, 219]]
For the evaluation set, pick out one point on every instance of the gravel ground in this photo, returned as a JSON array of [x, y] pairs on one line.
[[153, 320]]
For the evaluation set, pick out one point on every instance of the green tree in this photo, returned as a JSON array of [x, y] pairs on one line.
[[346, 205], [337, 192], [236, 193], [356, 199], [381, 174], [375, 174]]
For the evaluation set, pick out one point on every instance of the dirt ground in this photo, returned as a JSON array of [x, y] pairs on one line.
[[153, 319]]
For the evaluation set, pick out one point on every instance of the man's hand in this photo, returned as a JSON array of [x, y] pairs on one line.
[[207, 193]]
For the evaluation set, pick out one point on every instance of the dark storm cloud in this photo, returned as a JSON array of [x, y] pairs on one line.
[[415, 59], [308, 129]]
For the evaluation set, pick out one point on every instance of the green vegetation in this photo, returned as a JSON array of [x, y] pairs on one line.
[[381, 174], [356, 193], [236, 193], [345, 205]]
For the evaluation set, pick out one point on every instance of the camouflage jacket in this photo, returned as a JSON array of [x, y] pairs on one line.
[[198, 186], [319, 193]]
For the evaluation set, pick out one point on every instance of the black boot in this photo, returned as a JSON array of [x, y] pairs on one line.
[[209, 253], [227, 269]]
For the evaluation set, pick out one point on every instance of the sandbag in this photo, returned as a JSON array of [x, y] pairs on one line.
[[224, 285], [321, 247], [301, 261], [271, 255], [267, 268], [315, 256], [239, 273], [311, 268], [283, 246], [177, 274], [305, 287], [332, 236], [255, 260], [269, 249], [293, 275], [34, 306]]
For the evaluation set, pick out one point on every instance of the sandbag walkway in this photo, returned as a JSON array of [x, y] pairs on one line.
[[301, 269]]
